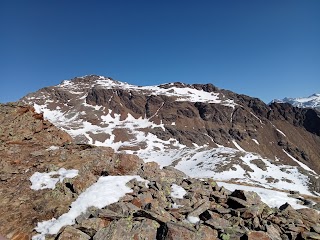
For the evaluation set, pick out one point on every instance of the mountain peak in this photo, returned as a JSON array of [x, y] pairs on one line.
[[313, 101], [315, 95], [197, 128]]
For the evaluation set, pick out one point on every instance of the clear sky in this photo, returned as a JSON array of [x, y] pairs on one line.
[[263, 48]]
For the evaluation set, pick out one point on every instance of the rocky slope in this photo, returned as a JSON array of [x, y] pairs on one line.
[[312, 101], [158, 204], [199, 129]]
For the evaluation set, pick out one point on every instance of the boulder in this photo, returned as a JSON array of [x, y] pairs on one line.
[[255, 235], [73, 234]]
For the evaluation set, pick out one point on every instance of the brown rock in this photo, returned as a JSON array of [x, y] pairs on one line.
[[310, 214], [178, 232], [20, 236], [83, 181], [249, 197], [73, 234], [161, 215], [92, 225], [218, 223], [310, 235], [273, 233], [316, 228], [126, 164], [206, 233], [235, 203], [203, 206], [126, 228], [255, 235], [253, 211]]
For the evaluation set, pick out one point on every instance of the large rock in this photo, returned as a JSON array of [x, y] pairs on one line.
[[254, 235], [73, 234], [126, 228]]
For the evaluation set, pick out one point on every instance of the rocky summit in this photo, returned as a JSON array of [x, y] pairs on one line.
[[95, 158]]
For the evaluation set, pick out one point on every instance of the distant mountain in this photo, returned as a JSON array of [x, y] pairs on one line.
[[312, 101]]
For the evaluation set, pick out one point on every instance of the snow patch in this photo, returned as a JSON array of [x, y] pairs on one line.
[[41, 181], [238, 146], [256, 141], [177, 191], [105, 191], [193, 219], [305, 167], [52, 148], [270, 197], [281, 132]]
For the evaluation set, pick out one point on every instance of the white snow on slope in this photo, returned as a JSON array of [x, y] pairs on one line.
[[49, 180], [305, 167], [256, 141], [226, 164], [110, 122], [105, 191], [281, 132], [271, 197], [238, 146], [182, 93]]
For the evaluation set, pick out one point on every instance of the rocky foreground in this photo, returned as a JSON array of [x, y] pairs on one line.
[[150, 211]]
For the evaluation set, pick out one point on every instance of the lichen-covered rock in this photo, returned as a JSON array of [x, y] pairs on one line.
[[126, 228], [178, 232], [73, 234], [92, 225]]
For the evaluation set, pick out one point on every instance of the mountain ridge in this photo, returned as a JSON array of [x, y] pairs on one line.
[[173, 122]]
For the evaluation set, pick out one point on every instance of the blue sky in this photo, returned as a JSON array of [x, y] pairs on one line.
[[263, 48]]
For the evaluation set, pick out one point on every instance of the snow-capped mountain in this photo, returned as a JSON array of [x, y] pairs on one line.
[[199, 129], [312, 101]]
